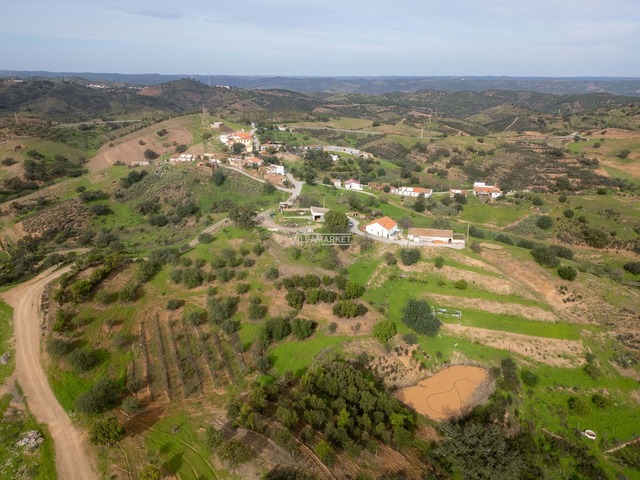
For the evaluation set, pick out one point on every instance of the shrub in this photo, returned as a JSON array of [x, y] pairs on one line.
[[384, 330], [174, 304], [102, 395], [461, 284], [150, 154], [303, 328], [545, 256], [129, 292], [537, 201], [325, 453], [409, 256], [390, 258], [277, 328], [295, 298], [349, 309], [83, 360], [529, 378], [106, 432], [528, 244], [257, 311], [502, 238], [439, 262], [562, 251], [475, 232], [545, 222], [205, 238], [242, 288], [568, 213], [150, 472], [632, 267], [600, 401], [272, 273], [562, 198], [567, 272], [410, 338], [577, 405], [353, 290], [57, 347], [234, 452], [475, 247], [196, 317], [333, 326]]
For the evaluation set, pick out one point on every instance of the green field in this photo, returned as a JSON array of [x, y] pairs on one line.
[[6, 331]]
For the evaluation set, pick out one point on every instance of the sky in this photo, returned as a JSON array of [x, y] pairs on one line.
[[556, 38]]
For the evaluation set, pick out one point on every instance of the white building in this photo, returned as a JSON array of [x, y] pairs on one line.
[[352, 184], [412, 192], [335, 158], [384, 227], [337, 183], [435, 236], [277, 169], [480, 189]]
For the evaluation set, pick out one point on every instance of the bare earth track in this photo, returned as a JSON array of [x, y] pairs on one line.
[[73, 462]]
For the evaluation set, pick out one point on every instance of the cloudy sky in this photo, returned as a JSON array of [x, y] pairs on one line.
[[324, 37]]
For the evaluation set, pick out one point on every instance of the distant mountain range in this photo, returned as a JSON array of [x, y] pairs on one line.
[[368, 85]]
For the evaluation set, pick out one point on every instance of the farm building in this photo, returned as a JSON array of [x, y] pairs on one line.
[[352, 184], [384, 227], [317, 213], [412, 191], [480, 189], [434, 235]]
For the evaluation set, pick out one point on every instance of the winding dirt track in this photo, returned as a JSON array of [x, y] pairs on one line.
[[73, 462]]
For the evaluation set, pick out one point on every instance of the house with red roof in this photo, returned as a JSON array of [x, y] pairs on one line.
[[352, 184], [383, 227], [480, 189]]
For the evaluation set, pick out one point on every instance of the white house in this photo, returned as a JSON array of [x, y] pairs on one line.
[[412, 191], [337, 183], [277, 169], [352, 184], [335, 158], [480, 189], [434, 235], [383, 227]]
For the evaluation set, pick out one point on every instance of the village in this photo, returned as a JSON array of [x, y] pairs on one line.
[[243, 154]]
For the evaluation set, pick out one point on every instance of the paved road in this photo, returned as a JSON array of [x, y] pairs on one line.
[[73, 461]]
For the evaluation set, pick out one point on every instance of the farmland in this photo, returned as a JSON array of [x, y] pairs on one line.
[[212, 350]]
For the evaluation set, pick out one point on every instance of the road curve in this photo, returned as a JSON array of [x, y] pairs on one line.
[[73, 461]]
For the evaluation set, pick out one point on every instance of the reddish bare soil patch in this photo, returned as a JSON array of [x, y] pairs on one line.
[[447, 394], [129, 148]]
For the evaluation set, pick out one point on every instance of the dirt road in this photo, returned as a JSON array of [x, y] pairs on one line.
[[73, 462]]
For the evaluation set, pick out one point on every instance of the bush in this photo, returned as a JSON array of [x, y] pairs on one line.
[[439, 262], [475, 247], [384, 330], [502, 238], [333, 326], [461, 284], [150, 472], [102, 395], [410, 338], [131, 405], [568, 213], [577, 405], [303, 328], [545, 256], [409, 256], [475, 232], [234, 452], [242, 288], [129, 292], [632, 267], [272, 273], [150, 154], [83, 360], [418, 315], [529, 378], [277, 328], [537, 201], [295, 298], [174, 304], [57, 347], [562, 251], [567, 272], [205, 238], [545, 222], [349, 309], [390, 258], [600, 401], [106, 432]]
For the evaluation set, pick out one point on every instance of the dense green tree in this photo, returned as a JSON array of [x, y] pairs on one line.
[[409, 256], [384, 330], [106, 432], [567, 272], [418, 315], [335, 222], [480, 452], [218, 177]]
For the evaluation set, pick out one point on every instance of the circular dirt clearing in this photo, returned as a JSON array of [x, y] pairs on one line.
[[447, 393]]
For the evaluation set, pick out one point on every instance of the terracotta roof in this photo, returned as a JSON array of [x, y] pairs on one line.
[[487, 189], [242, 135], [351, 180], [430, 232], [386, 222]]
